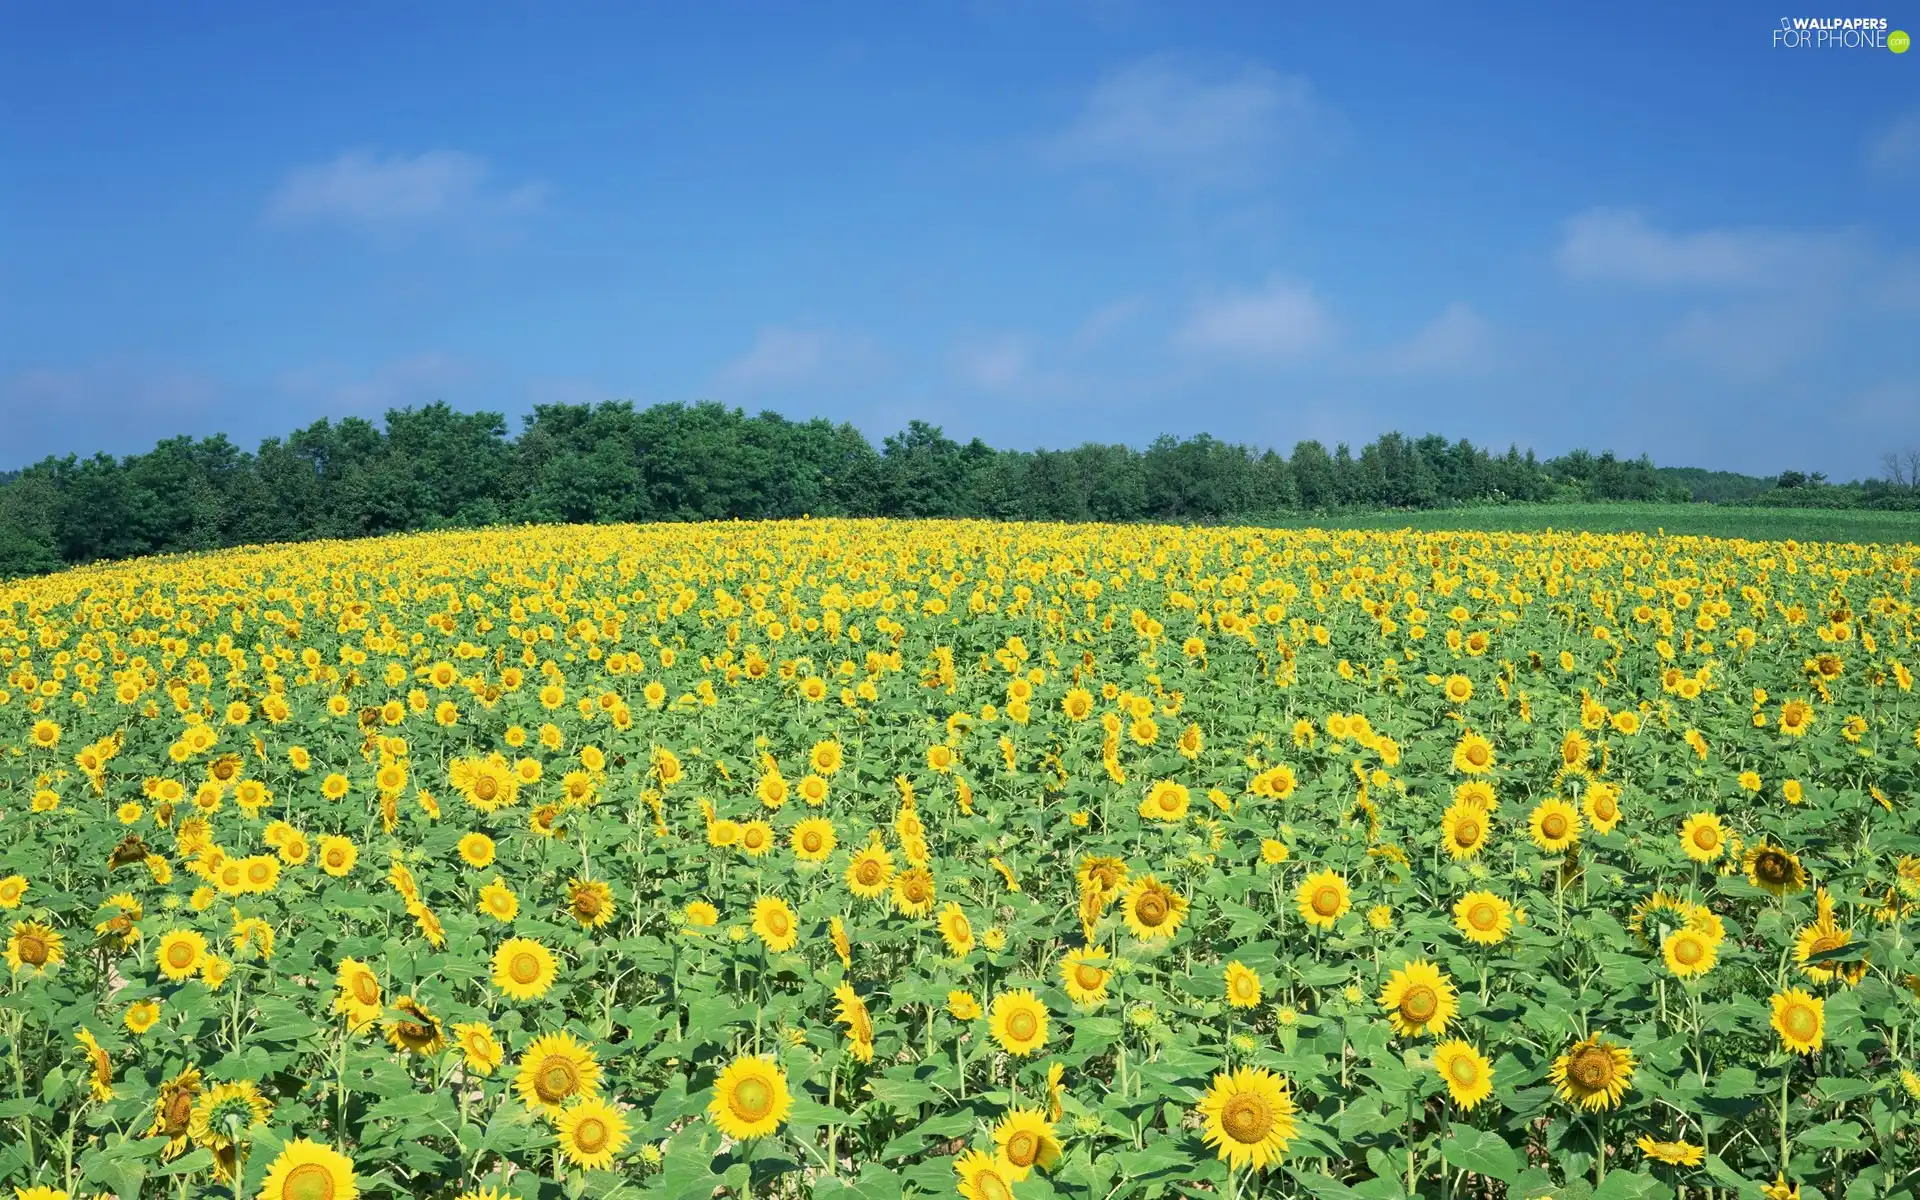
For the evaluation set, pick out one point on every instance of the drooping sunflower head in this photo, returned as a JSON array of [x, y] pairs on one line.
[[415, 1029]]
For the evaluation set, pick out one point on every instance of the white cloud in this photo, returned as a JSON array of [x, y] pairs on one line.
[[1896, 150], [784, 356], [1459, 339], [1162, 117], [1619, 246], [338, 391], [359, 188], [1104, 322], [1282, 322], [1752, 342], [996, 365]]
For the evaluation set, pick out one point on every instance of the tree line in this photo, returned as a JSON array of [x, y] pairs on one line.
[[436, 467]]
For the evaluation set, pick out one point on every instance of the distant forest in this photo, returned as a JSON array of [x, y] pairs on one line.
[[436, 467]]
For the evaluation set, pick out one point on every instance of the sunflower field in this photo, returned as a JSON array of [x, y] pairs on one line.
[[871, 859]]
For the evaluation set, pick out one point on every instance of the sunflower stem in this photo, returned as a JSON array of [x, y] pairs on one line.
[[1599, 1147]]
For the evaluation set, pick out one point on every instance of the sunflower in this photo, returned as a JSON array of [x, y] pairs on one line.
[[181, 953], [173, 1111], [775, 924], [964, 1006], [479, 1049], [1473, 755], [913, 892], [1674, 1154], [1153, 910], [955, 930], [1821, 938], [851, 1011], [1468, 1074], [1796, 717], [1419, 998], [1019, 1022], [1800, 1019], [141, 1016], [1703, 837], [1689, 952], [498, 901], [870, 872], [1463, 830], [750, 1098], [590, 902], [337, 855], [1323, 898], [476, 850], [553, 1070], [222, 1107], [1084, 974], [1554, 825], [1025, 1138], [756, 838], [591, 1133], [100, 1080], [1243, 985], [359, 998], [1477, 792], [1165, 801], [1594, 1073], [415, 1029], [35, 948], [813, 840], [13, 889], [1459, 689], [1775, 870], [307, 1170], [1248, 1116], [523, 969], [1601, 804], [985, 1176], [837, 934], [1100, 873]]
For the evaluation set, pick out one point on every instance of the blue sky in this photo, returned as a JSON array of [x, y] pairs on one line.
[[1636, 227]]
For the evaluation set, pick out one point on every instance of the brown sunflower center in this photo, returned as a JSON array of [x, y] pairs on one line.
[[180, 955], [1247, 1118], [1326, 900], [1688, 950], [586, 904], [486, 788], [556, 1078], [1023, 1148], [1465, 1071], [32, 949], [591, 1135], [1554, 826], [1592, 1068], [176, 1111], [777, 923], [867, 871], [1706, 837], [366, 989], [1772, 867], [1467, 832], [1088, 976], [1483, 916], [524, 967], [1152, 909], [1477, 755], [1023, 1025]]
